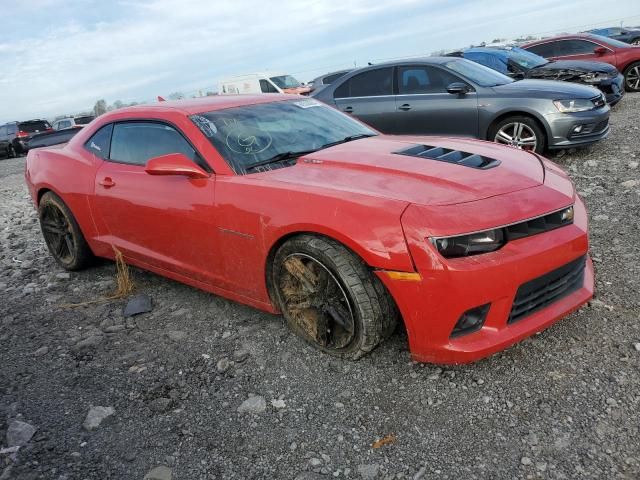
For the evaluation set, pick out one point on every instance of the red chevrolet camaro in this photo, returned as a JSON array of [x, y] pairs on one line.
[[290, 206]]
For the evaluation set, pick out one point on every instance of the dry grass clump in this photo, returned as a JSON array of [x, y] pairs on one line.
[[124, 283]]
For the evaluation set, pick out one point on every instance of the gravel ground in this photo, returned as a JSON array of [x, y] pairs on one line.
[[174, 383]]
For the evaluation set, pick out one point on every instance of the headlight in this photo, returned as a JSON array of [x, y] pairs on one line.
[[594, 78], [472, 244], [577, 105]]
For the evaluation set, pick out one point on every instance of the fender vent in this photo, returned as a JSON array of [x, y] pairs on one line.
[[467, 159]]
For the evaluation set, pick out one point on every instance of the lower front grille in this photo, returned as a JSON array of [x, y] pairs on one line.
[[542, 291]]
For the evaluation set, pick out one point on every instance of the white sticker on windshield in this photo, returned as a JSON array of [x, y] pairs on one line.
[[206, 125], [307, 103]]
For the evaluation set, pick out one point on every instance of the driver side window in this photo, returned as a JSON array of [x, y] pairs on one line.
[[424, 79], [135, 143]]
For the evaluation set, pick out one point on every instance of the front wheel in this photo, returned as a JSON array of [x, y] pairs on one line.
[[329, 297], [632, 77], [62, 233], [519, 132]]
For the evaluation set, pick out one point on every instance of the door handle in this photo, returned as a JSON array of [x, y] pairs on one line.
[[107, 182], [348, 110], [405, 107]]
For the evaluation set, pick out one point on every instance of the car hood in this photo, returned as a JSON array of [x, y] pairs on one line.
[[370, 167], [577, 66], [546, 89]]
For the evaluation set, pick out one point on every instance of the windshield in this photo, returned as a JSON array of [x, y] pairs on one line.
[[526, 59], [285, 81], [246, 136], [478, 74], [611, 41]]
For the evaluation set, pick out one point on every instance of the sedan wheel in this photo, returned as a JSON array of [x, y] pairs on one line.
[[632, 77], [517, 134]]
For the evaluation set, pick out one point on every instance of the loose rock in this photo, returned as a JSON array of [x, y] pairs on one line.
[[96, 416], [159, 473], [19, 433], [254, 405]]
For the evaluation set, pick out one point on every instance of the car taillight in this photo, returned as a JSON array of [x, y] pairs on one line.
[[22, 134]]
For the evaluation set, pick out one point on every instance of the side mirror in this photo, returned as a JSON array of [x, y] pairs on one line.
[[599, 50], [457, 88], [174, 164]]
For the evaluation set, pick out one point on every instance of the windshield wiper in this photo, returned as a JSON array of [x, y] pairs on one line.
[[350, 138], [279, 157]]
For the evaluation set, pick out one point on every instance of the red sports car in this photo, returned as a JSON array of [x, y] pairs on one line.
[[587, 46], [290, 206]]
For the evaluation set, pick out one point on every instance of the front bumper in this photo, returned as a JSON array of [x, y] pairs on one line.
[[594, 127], [432, 306], [613, 89]]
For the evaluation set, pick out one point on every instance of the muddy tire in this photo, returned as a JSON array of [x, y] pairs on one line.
[[330, 298], [62, 234]]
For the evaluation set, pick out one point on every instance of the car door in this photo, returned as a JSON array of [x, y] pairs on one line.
[[162, 221], [425, 107], [369, 97]]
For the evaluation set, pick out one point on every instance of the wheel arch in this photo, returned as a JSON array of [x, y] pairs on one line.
[[524, 113], [352, 246]]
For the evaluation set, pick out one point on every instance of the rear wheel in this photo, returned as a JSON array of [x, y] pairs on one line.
[[11, 152], [632, 77], [519, 132], [329, 297], [62, 233]]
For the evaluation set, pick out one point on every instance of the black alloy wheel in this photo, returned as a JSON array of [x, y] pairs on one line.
[[62, 234]]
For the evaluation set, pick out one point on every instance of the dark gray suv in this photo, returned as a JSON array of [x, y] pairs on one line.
[[453, 96]]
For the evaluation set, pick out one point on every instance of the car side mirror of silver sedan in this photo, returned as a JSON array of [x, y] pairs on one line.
[[457, 88]]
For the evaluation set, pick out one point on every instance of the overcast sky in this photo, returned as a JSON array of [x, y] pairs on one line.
[[60, 56]]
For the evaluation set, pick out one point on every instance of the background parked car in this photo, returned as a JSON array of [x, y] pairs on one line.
[[54, 137], [518, 63], [627, 35], [265, 82], [14, 136], [327, 79], [586, 46], [72, 122], [454, 96]]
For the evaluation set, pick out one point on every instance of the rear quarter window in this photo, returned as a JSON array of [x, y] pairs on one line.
[[99, 144]]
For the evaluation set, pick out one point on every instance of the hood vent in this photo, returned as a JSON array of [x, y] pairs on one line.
[[467, 159]]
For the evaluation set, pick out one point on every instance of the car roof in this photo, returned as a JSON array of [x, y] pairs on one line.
[[432, 60], [567, 36], [193, 106], [500, 51]]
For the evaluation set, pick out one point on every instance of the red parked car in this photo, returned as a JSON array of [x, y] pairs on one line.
[[587, 46], [290, 206]]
